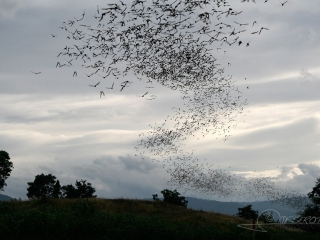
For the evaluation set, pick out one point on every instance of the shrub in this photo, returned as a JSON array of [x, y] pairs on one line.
[[247, 212], [173, 198]]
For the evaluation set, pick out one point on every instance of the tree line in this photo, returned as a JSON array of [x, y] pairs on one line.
[[47, 186]]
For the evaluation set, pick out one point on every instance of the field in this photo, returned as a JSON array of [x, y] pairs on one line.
[[123, 219]]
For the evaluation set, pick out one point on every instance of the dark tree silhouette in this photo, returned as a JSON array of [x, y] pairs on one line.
[[82, 190], [44, 186], [174, 198], [313, 207], [155, 197], [85, 189], [314, 195], [311, 212], [69, 191], [57, 190], [247, 213], [5, 168]]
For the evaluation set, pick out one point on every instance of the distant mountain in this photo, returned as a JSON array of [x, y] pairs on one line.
[[5, 197], [231, 208]]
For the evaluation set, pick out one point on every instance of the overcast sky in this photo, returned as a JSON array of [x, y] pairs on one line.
[[55, 123]]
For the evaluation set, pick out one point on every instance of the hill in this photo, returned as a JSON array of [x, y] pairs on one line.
[[5, 197], [126, 219], [231, 208]]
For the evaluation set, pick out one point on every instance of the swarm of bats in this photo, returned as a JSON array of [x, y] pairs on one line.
[[174, 43]]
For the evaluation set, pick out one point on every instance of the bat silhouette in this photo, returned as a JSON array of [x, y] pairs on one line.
[[94, 85]]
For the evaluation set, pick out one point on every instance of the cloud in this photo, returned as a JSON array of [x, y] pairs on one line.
[[134, 163], [307, 80], [297, 131], [285, 170], [301, 178], [125, 176], [310, 169], [9, 7], [312, 37], [129, 163], [105, 161], [113, 177]]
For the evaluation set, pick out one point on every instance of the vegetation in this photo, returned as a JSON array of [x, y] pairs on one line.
[[70, 212], [247, 213], [314, 195], [5, 168], [312, 210], [97, 218], [173, 198], [46, 186], [82, 190]]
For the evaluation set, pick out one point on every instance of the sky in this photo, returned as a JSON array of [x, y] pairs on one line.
[[53, 123]]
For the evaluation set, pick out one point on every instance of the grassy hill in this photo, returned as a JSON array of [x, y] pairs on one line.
[[123, 219]]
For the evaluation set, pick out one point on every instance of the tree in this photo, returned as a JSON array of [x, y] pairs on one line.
[[247, 212], [155, 197], [85, 189], [5, 168], [313, 208], [44, 186], [82, 190], [173, 198], [69, 191], [57, 190], [314, 195]]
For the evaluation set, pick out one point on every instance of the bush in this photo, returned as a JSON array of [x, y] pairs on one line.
[[173, 198], [247, 212]]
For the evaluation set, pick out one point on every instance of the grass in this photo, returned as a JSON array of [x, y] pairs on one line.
[[98, 218]]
